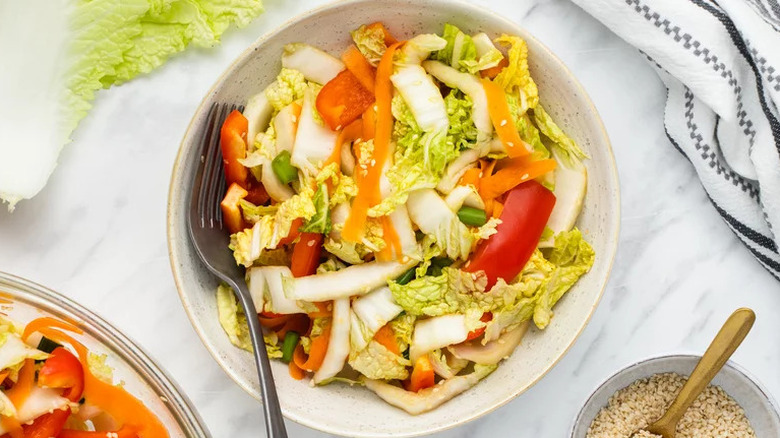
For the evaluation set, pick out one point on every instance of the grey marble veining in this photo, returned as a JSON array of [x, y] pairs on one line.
[[97, 232]]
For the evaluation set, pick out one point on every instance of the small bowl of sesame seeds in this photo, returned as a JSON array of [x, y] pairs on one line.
[[735, 405]]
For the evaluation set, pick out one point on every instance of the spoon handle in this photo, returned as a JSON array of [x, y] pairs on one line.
[[722, 347]]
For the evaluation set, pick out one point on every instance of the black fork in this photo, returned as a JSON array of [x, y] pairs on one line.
[[211, 239]]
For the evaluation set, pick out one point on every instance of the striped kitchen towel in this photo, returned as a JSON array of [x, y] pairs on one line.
[[720, 62]]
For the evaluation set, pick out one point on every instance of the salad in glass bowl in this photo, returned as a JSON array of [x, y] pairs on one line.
[[51, 385], [404, 212]]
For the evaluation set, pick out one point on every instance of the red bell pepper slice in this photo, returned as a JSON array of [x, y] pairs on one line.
[[256, 191], [294, 232], [233, 142], [342, 100], [306, 254], [231, 211], [523, 218], [47, 425], [474, 334], [63, 370]]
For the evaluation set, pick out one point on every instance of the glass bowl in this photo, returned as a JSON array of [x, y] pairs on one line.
[[23, 301]]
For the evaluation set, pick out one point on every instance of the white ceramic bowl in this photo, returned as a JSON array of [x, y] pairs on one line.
[[759, 406], [355, 411], [23, 301]]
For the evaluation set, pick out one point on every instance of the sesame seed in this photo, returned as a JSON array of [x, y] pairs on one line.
[[295, 119], [503, 122], [311, 243], [713, 414], [338, 128], [524, 177], [510, 144], [373, 163]]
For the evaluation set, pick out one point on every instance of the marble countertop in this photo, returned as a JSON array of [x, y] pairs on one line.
[[97, 232]]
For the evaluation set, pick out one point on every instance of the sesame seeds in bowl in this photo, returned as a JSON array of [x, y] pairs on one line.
[[735, 405]]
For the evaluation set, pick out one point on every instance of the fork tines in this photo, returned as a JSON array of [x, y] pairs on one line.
[[213, 185]]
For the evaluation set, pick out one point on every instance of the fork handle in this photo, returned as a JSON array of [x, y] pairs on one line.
[[274, 421]]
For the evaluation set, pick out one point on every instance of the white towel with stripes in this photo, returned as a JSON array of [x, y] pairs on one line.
[[720, 62]]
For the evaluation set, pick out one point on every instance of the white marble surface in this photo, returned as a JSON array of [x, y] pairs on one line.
[[97, 232]]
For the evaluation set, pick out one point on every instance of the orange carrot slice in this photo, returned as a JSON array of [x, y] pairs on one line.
[[514, 172], [389, 40], [359, 66], [422, 375], [502, 120], [368, 178], [386, 337], [319, 346], [296, 372], [492, 72]]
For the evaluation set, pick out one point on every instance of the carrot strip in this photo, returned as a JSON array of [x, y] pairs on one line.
[[46, 322], [299, 356], [368, 179], [494, 71], [369, 123], [298, 323], [392, 242], [386, 337], [487, 167], [322, 310], [359, 66], [3, 376], [296, 372], [497, 209], [516, 171], [471, 177], [275, 322], [12, 426], [319, 346], [21, 390], [502, 120], [350, 133]]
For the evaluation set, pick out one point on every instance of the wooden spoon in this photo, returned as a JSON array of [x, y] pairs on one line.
[[722, 347]]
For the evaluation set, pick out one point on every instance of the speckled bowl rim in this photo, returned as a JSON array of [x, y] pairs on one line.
[[642, 362], [179, 406], [180, 158]]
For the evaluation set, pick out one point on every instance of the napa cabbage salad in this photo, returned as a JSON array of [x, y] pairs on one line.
[[51, 385], [404, 212]]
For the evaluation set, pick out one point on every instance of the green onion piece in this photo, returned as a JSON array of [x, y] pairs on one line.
[[285, 171], [472, 216], [406, 277], [47, 345], [437, 263], [290, 342]]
